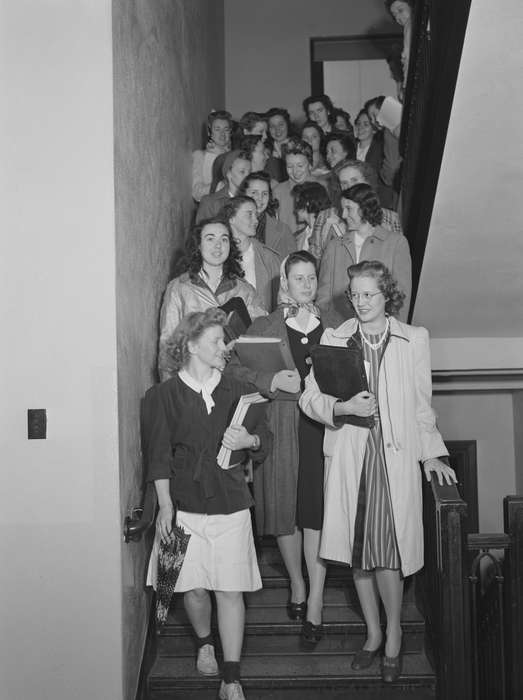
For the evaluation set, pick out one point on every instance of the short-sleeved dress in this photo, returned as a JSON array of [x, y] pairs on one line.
[[375, 542]]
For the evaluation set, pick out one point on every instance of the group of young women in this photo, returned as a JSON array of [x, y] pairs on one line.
[[325, 488]]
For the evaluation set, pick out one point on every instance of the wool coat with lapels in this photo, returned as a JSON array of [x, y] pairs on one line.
[[280, 469]]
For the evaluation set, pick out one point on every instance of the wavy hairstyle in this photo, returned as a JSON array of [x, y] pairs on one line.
[[192, 260], [190, 330], [345, 140], [297, 147], [250, 119], [366, 170], [262, 176], [311, 196], [386, 283], [232, 206], [325, 101], [390, 3], [368, 202]]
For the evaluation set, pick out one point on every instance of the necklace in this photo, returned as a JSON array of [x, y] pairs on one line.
[[379, 343]]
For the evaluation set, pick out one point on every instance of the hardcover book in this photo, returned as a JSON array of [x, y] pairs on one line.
[[340, 372]]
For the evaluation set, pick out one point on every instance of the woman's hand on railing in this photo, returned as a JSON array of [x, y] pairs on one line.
[[442, 471]]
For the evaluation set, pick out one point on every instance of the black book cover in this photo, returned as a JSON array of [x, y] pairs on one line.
[[340, 372]]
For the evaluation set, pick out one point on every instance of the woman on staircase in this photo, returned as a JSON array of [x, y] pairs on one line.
[[373, 506], [185, 420], [289, 489]]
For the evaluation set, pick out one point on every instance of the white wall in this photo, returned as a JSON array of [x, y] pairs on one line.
[[60, 544], [471, 283], [267, 59]]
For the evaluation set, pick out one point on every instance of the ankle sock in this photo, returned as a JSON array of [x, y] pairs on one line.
[[202, 641], [231, 671]]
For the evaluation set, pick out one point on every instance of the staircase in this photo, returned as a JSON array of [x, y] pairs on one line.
[[273, 665]]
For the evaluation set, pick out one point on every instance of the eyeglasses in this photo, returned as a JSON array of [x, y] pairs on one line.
[[366, 296]]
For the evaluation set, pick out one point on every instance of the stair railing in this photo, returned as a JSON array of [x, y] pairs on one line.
[[437, 40], [496, 596], [441, 589], [513, 571]]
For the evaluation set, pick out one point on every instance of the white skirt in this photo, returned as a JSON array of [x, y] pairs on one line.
[[220, 555]]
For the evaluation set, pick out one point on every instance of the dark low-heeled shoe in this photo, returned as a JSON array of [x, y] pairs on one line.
[[311, 634], [364, 658], [391, 668], [296, 611]]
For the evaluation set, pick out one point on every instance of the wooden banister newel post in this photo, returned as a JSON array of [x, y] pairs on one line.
[[513, 521], [454, 678]]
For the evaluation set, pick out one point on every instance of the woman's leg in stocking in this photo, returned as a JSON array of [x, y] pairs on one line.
[[367, 590], [316, 569], [390, 586], [290, 548]]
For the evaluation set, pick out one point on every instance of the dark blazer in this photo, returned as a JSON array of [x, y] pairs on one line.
[[375, 156]]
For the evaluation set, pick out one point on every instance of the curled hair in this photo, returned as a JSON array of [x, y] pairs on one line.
[[390, 3], [261, 176], [345, 140], [218, 114], [386, 283], [299, 256], [325, 101], [279, 112], [362, 113], [338, 112], [232, 206], [188, 331], [368, 202], [297, 147], [248, 143], [366, 170], [374, 101], [192, 260], [310, 196], [250, 119]]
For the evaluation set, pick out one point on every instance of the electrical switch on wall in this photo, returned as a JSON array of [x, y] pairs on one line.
[[36, 424]]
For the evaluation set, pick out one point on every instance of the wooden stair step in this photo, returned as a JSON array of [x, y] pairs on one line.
[[275, 617], [284, 676]]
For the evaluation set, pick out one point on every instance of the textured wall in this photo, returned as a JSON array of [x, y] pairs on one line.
[[168, 73], [267, 59], [60, 614]]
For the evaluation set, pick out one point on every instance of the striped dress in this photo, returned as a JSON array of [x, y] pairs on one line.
[[375, 538]]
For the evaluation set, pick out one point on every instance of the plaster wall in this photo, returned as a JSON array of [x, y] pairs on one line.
[[267, 59], [471, 284], [59, 551], [168, 74]]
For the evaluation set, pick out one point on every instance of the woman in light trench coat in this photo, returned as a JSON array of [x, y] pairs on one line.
[[373, 498]]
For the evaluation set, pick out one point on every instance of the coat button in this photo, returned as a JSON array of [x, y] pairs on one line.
[[371, 240], [389, 445]]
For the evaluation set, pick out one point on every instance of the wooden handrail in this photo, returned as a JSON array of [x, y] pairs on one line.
[[513, 525]]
